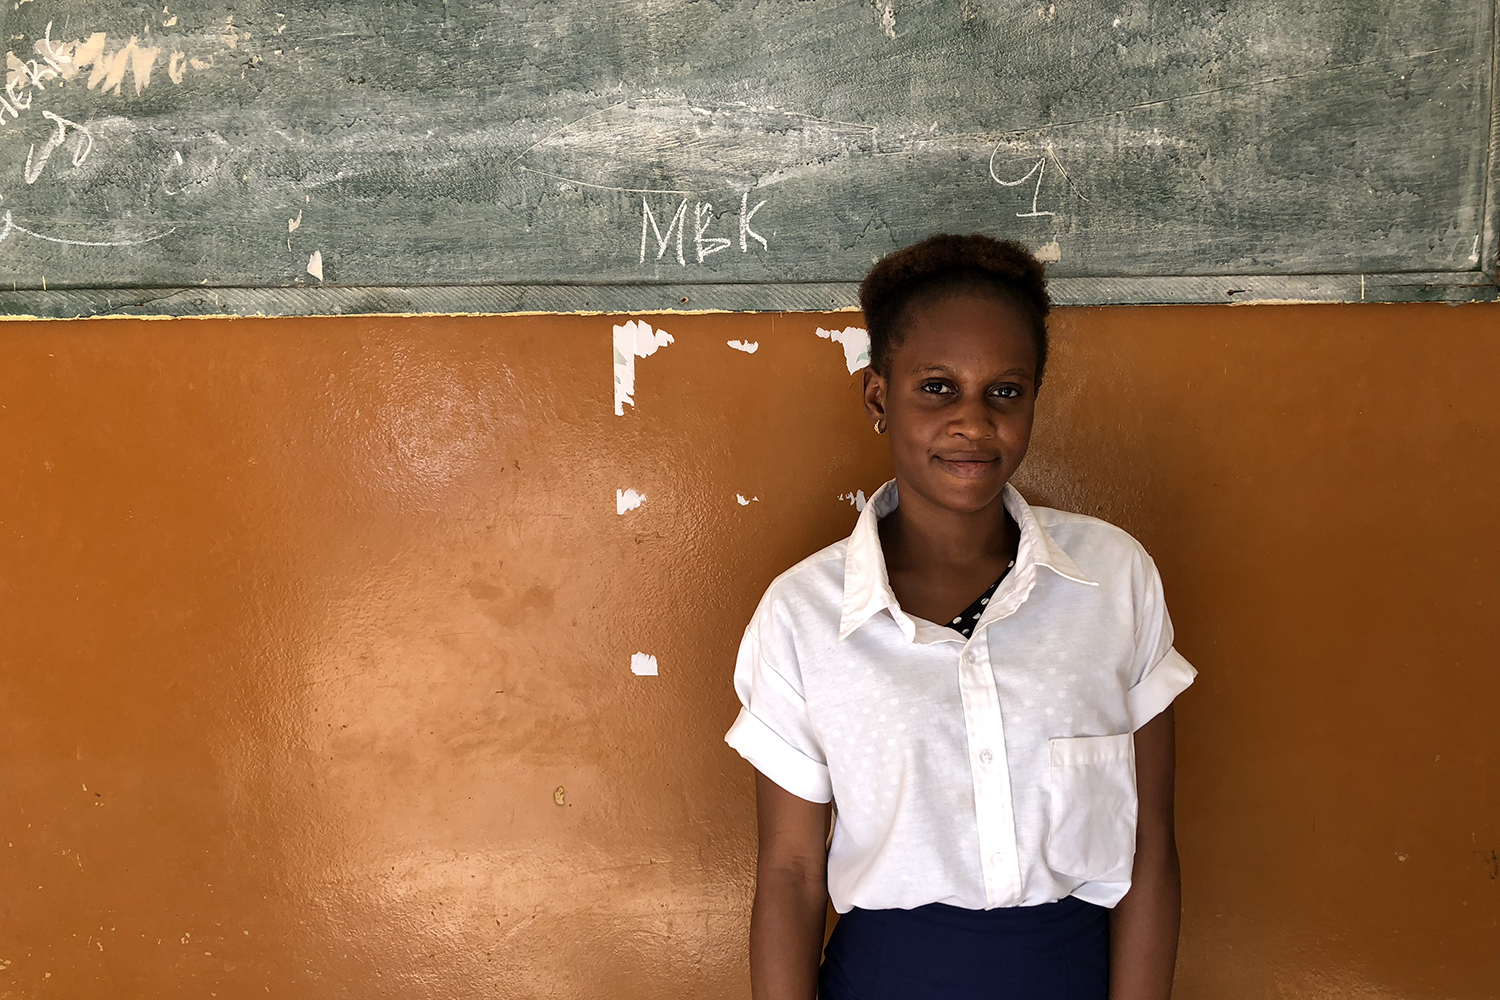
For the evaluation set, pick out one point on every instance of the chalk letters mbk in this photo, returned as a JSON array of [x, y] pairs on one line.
[[703, 219]]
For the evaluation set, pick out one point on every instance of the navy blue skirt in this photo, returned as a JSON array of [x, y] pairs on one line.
[[1056, 951]]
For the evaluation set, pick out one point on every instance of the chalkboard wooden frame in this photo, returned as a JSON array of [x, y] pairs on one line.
[[1477, 286], [618, 292]]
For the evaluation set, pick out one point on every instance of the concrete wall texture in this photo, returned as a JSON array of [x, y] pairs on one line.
[[315, 652]]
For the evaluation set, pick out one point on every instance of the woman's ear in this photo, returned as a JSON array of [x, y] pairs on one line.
[[874, 389]]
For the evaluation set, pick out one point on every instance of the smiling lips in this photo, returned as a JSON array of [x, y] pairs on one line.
[[968, 466]]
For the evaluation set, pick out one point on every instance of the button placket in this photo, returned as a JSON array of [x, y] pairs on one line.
[[994, 815]]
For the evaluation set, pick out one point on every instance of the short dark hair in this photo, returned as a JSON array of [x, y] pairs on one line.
[[944, 264]]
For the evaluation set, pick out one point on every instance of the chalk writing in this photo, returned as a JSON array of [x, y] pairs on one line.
[[705, 210], [8, 225], [1039, 168], [662, 241], [36, 161], [24, 78], [745, 218], [63, 61], [703, 218]]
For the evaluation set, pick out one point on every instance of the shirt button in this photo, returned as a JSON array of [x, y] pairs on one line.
[[996, 859], [986, 756]]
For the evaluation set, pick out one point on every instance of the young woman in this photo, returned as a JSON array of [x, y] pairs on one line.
[[979, 687]]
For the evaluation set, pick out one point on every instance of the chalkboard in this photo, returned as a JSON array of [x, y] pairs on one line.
[[292, 157]]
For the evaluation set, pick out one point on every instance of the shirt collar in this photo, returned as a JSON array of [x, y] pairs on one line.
[[867, 587]]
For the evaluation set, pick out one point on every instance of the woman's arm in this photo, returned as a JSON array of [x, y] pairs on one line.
[[1143, 927], [791, 894]]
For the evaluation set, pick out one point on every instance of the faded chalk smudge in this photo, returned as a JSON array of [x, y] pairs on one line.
[[748, 346], [1049, 253], [633, 340], [626, 500], [856, 343], [643, 665]]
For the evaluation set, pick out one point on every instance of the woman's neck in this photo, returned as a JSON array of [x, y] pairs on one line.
[[919, 536]]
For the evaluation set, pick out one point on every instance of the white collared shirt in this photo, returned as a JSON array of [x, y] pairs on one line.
[[997, 771]]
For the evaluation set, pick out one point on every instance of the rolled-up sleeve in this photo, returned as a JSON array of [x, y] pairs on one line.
[[1161, 673], [773, 731]]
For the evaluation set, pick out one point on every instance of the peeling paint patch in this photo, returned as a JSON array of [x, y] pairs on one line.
[[626, 500], [857, 498], [85, 52], [292, 224], [107, 69], [748, 346], [739, 498], [856, 343], [1049, 253], [141, 61], [633, 340], [643, 665], [315, 264]]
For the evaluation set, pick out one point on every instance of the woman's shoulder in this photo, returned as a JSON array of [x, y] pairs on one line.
[[816, 574], [809, 595], [1092, 540]]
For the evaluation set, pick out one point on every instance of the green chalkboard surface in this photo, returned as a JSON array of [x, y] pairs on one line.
[[293, 157]]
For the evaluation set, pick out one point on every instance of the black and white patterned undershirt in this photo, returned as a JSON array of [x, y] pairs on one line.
[[964, 623]]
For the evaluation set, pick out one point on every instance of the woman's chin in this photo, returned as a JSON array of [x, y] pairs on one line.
[[963, 494]]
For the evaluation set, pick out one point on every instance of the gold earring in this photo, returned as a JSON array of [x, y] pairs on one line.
[[880, 427]]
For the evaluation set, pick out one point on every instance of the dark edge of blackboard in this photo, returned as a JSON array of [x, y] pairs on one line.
[[1489, 260], [1473, 286]]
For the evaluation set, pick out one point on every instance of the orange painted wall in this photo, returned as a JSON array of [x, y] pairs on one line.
[[315, 641]]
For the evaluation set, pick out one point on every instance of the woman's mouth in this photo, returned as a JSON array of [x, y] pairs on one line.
[[966, 466]]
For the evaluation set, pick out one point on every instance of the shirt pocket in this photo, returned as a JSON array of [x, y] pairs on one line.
[[1092, 800]]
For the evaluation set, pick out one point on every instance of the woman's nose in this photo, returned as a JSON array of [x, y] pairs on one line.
[[972, 419]]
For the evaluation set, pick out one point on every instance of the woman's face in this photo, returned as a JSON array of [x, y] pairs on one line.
[[960, 398]]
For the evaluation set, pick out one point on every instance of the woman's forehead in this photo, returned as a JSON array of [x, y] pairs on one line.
[[967, 332]]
